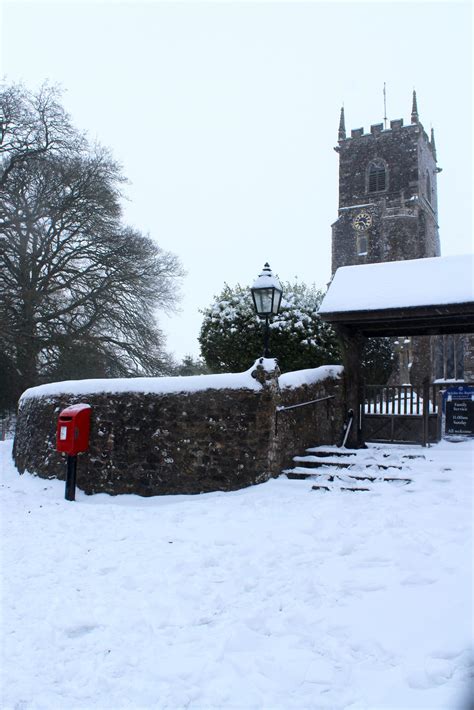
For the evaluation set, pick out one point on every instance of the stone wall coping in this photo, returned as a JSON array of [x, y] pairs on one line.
[[185, 384], [146, 385]]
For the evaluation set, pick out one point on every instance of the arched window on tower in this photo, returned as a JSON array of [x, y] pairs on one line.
[[428, 187], [377, 176]]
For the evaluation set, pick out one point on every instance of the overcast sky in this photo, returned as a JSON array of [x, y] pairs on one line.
[[224, 117]]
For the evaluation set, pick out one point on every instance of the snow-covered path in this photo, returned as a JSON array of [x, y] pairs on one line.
[[271, 597]]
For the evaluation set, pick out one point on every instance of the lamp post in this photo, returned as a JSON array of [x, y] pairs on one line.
[[266, 294]]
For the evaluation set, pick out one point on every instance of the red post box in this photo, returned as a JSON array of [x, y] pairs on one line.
[[72, 435]]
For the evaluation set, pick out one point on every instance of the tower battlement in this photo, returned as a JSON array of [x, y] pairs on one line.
[[378, 130]]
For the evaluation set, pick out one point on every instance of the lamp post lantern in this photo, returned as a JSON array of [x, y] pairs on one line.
[[266, 294]]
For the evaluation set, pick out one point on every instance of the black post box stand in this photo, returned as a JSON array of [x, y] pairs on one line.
[[70, 492]]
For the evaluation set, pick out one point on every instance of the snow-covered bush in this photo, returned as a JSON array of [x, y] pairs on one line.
[[232, 335]]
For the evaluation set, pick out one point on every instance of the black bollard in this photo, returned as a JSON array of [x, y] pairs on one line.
[[70, 493]]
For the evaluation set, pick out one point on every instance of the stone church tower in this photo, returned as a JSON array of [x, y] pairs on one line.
[[387, 194], [388, 211]]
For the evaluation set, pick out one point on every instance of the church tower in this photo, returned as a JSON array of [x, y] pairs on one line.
[[387, 194]]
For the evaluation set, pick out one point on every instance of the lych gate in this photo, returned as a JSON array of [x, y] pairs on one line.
[[418, 297]]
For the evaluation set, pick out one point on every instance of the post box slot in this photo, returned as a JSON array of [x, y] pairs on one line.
[[65, 419]]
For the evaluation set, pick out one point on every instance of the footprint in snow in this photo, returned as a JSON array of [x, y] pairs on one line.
[[447, 654], [370, 587], [373, 562], [416, 579], [78, 631], [107, 570], [320, 672], [346, 549], [436, 672]]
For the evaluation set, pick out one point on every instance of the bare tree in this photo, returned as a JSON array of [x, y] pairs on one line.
[[78, 289], [33, 124]]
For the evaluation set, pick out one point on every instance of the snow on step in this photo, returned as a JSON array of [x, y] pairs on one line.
[[335, 469], [330, 451], [315, 462], [323, 453], [302, 474]]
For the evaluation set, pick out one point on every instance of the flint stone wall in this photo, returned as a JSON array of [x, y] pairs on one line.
[[186, 442], [316, 424]]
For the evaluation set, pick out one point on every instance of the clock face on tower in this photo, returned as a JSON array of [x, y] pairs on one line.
[[362, 221]]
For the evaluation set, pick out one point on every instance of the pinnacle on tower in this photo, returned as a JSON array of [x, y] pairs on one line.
[[414, 109], [433, 144], [342, 127]]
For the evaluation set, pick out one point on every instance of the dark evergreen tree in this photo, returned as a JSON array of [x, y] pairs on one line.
[[377, 361], [231, 336], [190, 366]]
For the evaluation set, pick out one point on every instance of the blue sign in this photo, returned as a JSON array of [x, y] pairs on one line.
[[458, 407]]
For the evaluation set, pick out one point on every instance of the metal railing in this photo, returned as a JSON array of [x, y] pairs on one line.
[[280, 410]]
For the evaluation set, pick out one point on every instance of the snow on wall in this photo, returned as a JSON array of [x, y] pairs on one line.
[[310, 377], [401, 284], [175, 385], [146, 385]]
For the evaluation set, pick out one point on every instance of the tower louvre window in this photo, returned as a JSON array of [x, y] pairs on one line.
[[377, 176], [428, 187]]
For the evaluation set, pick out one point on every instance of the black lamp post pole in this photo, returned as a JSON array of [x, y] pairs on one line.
[[266, 351]]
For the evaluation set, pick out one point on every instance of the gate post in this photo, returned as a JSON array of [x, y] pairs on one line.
[[352, 343], [426, 411]]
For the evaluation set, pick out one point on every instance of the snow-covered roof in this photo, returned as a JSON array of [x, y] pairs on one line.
[[401, 284]]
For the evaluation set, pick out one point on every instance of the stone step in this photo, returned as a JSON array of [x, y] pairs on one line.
[[313, 462], [348, 470], [336, 452], [329, 476], [325, 453]]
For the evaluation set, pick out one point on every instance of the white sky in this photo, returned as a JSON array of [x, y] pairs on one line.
[[224, 116]]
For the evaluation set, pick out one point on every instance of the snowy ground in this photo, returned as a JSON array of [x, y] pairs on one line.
[[273, 597]]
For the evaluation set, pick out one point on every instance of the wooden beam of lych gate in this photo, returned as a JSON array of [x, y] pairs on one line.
[[420, 320]]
